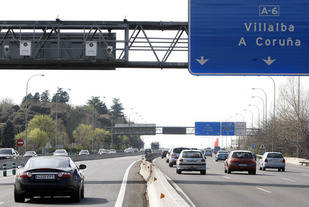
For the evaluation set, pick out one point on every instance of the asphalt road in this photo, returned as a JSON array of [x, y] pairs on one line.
[[103, 181], [267, 188]]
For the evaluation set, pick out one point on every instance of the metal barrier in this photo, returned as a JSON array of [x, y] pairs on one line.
[[160, 192]]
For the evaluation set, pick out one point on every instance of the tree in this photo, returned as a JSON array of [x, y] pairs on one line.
[[83, 135], [61, 95], [7, 135], [45, 124], [98, 105], [102, 138], [117, 109], [45, 97], [36, 97]]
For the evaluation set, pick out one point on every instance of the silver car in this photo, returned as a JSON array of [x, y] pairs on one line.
[[191, 160], [174, 154], [60, 152], [272, 160]]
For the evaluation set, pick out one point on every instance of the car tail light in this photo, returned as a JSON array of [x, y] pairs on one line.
[[64, 175], [202, 160], [26, 175], [173, 155], [283, 161], [180, 160], [266, 160], [253, 161], [233, 160]]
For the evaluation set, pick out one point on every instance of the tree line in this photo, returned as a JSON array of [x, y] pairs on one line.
[[288, 131], [75, 123]]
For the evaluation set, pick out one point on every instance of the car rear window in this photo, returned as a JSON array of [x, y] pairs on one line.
[[274, 155], [178, 150], [244, 155], [47, 162], [191, 155]]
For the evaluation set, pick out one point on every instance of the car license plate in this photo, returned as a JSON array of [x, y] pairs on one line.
[[45, 177], [242, 165]]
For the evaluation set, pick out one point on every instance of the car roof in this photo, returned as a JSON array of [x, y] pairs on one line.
[[241, 151], [191, 150], [50, 157]]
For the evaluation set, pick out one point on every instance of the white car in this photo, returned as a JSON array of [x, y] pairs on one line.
[[191, 160], [60, 152], [174, 154], [84, 152], [112, 151], [8, 153], [129, 150], [272, 160], [103, 151], [30, 154]]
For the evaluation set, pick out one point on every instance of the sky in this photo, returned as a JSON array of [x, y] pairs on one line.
[[162, 97]]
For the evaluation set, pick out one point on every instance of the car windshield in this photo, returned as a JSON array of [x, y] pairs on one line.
[[274, 155], [178, 150], [47, 162], [84, 151], [242, 155], [191, 154], [5, 151]]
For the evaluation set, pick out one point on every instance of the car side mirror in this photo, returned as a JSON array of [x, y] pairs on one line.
[[82, 167]]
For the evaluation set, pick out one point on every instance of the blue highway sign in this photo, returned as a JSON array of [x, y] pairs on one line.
[[227, 128], [253, 146], [207, 128], [249, 37]]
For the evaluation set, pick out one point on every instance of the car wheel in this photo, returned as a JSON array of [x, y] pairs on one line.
[[264, 168], [225, 171], [166, 160], [170, 164], [283, 169], [76, 197], [260, 168], [19, 198], [229, 171], [279, 169], [203, 172], [178, 171]]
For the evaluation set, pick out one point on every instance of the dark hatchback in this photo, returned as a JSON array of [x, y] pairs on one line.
[[49, 176]]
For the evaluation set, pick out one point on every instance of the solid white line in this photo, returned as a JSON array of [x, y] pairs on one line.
[[119, 201], [288, 179], [1, 203], [262, 189]]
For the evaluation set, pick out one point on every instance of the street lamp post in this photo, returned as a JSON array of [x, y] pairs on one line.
[[251, 116], [259, 120], [265, 102], [26, 109], [243, 119], [274, 114], [262, 105]]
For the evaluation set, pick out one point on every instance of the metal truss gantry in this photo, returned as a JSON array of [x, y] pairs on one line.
[[120, 44]]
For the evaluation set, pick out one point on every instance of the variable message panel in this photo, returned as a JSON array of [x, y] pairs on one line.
[[248, 37]]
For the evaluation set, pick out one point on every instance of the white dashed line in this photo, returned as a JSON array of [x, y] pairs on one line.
[[226, 177], [262, 189], [290, 180], [1, 203]]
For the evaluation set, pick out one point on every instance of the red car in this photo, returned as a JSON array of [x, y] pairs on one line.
[[240, 160]]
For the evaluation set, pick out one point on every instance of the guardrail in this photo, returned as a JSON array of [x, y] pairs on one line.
[[22, 160], [160, 192]]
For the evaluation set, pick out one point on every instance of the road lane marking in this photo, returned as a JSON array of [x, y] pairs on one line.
[[1, 203], [262, 189], [121, 194], [293, 181], [226, 177]]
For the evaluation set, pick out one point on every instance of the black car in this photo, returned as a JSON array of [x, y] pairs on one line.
[[148, 151], [163, 153], [49, 176]]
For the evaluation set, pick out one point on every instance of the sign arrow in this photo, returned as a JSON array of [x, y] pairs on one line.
[[202, 60], [269, 61]]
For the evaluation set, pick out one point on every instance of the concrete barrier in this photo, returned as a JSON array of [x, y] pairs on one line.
[[159, 191], [294, 160]]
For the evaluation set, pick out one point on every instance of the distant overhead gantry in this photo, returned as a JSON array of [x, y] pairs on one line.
[[92, 45]]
